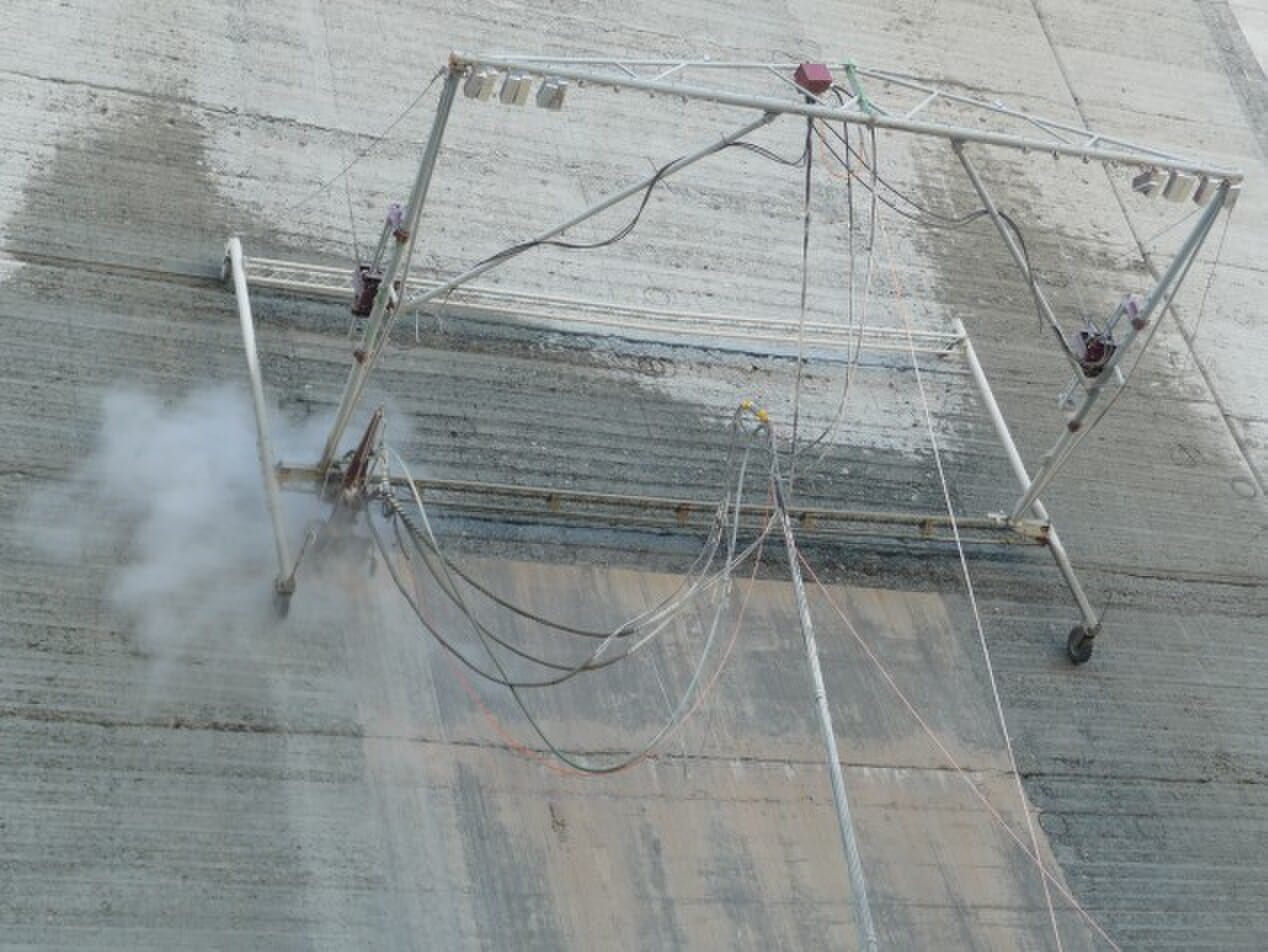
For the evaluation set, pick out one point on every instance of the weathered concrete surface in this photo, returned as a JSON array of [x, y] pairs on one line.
[[327, 782]]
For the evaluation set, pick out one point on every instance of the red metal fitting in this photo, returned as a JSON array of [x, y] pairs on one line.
[[814, 78]]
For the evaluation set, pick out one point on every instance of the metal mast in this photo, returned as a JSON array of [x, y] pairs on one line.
[[853, 861]]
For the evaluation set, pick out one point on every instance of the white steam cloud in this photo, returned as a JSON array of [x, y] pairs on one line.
[[185, 480]]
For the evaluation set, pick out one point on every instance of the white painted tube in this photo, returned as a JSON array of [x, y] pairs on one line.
[[263, 443], [1019, 470]]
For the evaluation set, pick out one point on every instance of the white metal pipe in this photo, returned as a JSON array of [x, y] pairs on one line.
[[263, 442], [1166, 286], [1019, 470], [398, 266], [1044, 124], [288, 276], [836, 114], [853, 861], [670, 67]]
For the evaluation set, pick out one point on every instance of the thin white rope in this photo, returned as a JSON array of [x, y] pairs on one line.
[[334, 92], [950, 758], [801, 315], [856, 352], [1210, 278], [972, 594]]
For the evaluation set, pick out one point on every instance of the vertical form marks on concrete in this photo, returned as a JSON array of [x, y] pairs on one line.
[[1240, 65], [506, 872]]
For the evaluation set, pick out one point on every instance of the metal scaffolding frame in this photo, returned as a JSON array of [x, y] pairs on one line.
[[1216, 188]]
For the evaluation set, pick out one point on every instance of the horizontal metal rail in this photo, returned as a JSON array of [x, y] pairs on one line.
[[1124, 153], [574, 506], [321, 281], [930, 93]]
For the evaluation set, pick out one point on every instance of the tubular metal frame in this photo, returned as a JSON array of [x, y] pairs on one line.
[[1061, 132], [1014, 250], [1090, 618], [601, 73], [666, 76], [391, 299], [391, 295], [395, 275]]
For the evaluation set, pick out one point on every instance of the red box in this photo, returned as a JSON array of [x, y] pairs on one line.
[[813, 77]]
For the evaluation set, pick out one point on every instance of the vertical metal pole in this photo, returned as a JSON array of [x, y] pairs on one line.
[[264, 445], [397, 268], [1010, 242], [1019, 469], [1167, 285], [853, 861]]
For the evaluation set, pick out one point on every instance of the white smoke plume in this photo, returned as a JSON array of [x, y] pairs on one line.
[[183, 481]]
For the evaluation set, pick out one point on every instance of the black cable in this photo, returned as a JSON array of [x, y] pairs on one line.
[[422, 545], [629, 628], [444, 643], [674, 719], [935, 219], [590, 664], [625, 230], [924, 217], [769, 154], [871, 247], [624, 631], [1040, 317], [503, 679]]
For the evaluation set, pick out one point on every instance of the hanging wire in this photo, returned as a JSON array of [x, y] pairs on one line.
[[423, 543], [334, 91], [515, 250], [374, 141], [968, 582], [934, 219], [733, 508], [591, 663], [1206, 290], [626, 629], [855, 353], [629, 628], [950, 758], [1138, 247]]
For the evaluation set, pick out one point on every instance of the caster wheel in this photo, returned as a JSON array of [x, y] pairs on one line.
[[1079, 645], [281, 604]]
